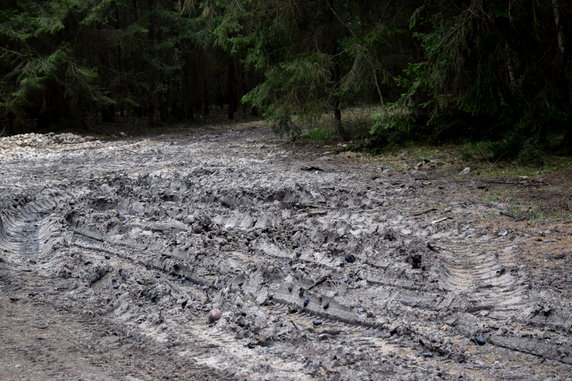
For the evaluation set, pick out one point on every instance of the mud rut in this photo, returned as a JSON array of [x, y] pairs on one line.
[[324, 267]]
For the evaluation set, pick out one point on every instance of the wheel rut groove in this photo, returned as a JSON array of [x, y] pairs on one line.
[[484, 277], [280, 300]]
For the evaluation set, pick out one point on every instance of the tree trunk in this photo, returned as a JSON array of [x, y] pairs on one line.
[[231, 88], [337, 103], [205, 101], [559, 26], [152, 85], [108, 114], [336, 78], [562, 28]]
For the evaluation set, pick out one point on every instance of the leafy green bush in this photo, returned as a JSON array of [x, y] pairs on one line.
[[393, 117]]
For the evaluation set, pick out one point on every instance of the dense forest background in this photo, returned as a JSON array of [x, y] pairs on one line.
[[439, 70]]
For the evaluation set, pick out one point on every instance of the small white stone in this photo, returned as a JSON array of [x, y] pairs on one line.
[[465, 171]]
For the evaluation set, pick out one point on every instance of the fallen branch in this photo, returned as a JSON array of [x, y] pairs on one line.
[[440, 220], [424, 212]]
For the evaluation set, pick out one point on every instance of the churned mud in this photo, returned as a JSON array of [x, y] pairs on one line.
[[324, 266]]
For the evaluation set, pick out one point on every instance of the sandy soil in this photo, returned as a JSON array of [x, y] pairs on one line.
[[326, 266]]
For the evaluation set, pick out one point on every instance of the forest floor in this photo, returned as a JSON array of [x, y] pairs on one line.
[[326, 265]]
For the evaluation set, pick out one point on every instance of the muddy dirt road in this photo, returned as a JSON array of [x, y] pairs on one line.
[[325, 267]]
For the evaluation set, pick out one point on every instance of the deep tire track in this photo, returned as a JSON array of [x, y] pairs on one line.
[[484, 276], [26, 236]]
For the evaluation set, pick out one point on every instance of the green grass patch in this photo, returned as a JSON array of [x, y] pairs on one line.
[[414, 156], [320, 134], [482, 151], [513, 171], [516, 169]]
